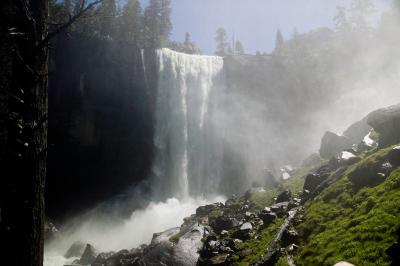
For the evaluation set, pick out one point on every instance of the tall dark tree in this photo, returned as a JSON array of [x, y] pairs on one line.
[[222, 43], [24, 29]]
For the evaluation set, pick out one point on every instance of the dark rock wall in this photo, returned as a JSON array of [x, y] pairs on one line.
[[100, 123]]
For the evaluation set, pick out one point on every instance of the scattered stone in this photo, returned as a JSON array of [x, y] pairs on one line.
[[246, 226], [224, 233]]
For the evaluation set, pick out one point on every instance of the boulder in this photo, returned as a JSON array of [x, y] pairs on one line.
[[245, 232], [268, 217], [75, 250], [357, 131], [347, 158], [332, 144], [289, 236], [89, 255], [312, 181], [222, 223], [386, 122], [284, 196], [370, 174], [312, 160]]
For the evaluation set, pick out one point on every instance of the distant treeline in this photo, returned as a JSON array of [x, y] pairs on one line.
[[144, 28]]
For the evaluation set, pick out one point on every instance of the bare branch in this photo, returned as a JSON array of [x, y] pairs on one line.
[[83, 9]]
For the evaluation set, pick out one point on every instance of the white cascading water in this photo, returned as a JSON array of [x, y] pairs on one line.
[[186, 170], [188, 86]]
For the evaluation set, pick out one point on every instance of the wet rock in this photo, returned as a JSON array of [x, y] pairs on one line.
[[386, 122], [332, 144], [204, 210], [220, 259], [371, 174], [312, 181], [289, 236], [222, 223], [348, 158], [102, 258], [89, 255], [246, 226], [245, 232], [312, 160], [75, 250], [231, 201], [50, 230], [357, 131], [164, 236], [284, 196]]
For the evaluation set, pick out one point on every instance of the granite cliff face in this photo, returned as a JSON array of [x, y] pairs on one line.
[[100, 123]]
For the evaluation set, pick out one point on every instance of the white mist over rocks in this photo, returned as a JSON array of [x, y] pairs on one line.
[[107, 233]]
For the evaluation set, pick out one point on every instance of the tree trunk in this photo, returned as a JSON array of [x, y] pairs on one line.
[[22, 198]]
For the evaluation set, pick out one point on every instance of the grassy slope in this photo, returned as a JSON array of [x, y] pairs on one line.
[[356, 226]]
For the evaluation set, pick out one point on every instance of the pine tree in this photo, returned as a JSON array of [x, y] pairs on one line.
[[187, 42], [361, 10], [131, 22], [279, 42], [107, 18], [239, 47], [222, 44], [158, 24]]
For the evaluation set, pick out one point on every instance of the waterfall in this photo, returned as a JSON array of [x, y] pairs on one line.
[[184, 139]]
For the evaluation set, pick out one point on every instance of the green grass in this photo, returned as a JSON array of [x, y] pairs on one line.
[[256, 247], [357, 227], [260, 200], [296, 182]]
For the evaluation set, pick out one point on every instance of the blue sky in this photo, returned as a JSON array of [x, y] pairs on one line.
[[254, 22]]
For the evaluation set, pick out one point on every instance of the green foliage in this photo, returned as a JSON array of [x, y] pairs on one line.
[[262, 199], [255, 248], [354, 226], [175, 238]]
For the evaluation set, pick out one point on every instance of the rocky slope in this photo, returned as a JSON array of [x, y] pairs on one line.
[[342, 208]]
